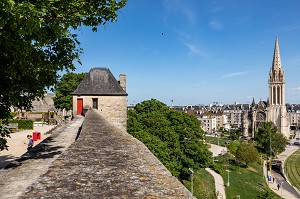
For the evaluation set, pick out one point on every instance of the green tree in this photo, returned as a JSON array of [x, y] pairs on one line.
[[235, 134], [64, 88], [174, 137], [271, 141], [232, 147], [247, 153], [37, 40]]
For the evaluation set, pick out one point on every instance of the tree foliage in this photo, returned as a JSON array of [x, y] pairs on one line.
[[37, 40], [247, 153], [172, 136], [233, 147], [64, 88], [235, 134], [271, 141], [4, 132]]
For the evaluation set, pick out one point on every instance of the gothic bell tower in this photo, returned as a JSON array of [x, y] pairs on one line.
[[276, 108]]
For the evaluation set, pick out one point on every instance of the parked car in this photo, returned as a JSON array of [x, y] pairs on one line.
[[296, 143]]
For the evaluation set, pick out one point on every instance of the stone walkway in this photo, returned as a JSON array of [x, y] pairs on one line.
[[219, 184], [103, 162], [20, 174]]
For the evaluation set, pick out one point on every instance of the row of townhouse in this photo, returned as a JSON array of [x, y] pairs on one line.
[[218, 116], [294, 113], [214, 122]]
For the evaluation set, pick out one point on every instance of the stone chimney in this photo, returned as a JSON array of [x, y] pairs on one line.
[[123, 81]]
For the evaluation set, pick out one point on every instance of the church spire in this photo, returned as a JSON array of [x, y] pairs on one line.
[[253, 102], [276, 72], [276, 57]]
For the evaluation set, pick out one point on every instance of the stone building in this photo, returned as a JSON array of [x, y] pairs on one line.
[[276, 111], [253, 117], [208, 124], [274, 108], [294, 114], [102, 92]]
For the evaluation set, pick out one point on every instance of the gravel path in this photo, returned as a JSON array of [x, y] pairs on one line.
[[18, 143]]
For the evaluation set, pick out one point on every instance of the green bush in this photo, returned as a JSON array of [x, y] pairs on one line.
[[13, 114], [217, 168], [23, 124]]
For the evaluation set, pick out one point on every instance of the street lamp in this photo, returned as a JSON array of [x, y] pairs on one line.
[[269, 161], [281, 188], [192, 175], [228, 178]]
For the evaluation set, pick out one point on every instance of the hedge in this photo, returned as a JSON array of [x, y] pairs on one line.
[[23, 124]]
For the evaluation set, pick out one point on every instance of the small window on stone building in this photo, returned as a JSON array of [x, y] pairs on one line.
[[95, 103]]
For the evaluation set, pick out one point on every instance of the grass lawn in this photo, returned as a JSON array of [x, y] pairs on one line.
[[244, 182], [214, 140], [204, 185], [292, 168]]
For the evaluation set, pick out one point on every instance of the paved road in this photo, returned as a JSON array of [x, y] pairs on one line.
[[284, 186], [286, 191]]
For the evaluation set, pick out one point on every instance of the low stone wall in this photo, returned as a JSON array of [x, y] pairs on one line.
[[104, 162]]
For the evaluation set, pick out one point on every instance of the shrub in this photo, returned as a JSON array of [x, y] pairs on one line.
[[23, 124], [217, 168], [13, 114]]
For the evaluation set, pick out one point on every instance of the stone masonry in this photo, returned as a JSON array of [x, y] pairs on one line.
[[105, 162], [112, 108], [101, 91]]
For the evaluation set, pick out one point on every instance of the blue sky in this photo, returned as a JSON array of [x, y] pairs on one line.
[[196, 51]]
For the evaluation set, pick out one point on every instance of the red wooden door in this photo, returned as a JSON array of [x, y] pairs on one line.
[[79, 106]]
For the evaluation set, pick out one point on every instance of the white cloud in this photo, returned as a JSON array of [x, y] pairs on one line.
[[182, 7], [216, 24], [234, 74], [194, 49], [295, 89]]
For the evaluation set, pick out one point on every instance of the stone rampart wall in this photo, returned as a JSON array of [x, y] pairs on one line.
[[105, 162]]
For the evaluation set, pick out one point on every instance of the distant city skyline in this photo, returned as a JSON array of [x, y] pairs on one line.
[[198, 52]]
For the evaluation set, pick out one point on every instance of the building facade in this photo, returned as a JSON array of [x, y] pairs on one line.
[[208, 124], [274, 109], [100, 91]]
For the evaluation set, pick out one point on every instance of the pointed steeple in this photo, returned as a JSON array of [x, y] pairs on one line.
[[276, 57], [253, 102], [276, 73]]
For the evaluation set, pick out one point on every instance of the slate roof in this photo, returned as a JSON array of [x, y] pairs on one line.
[[100, 81]]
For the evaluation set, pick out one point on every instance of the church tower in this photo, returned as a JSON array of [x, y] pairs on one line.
[[276, 111]]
